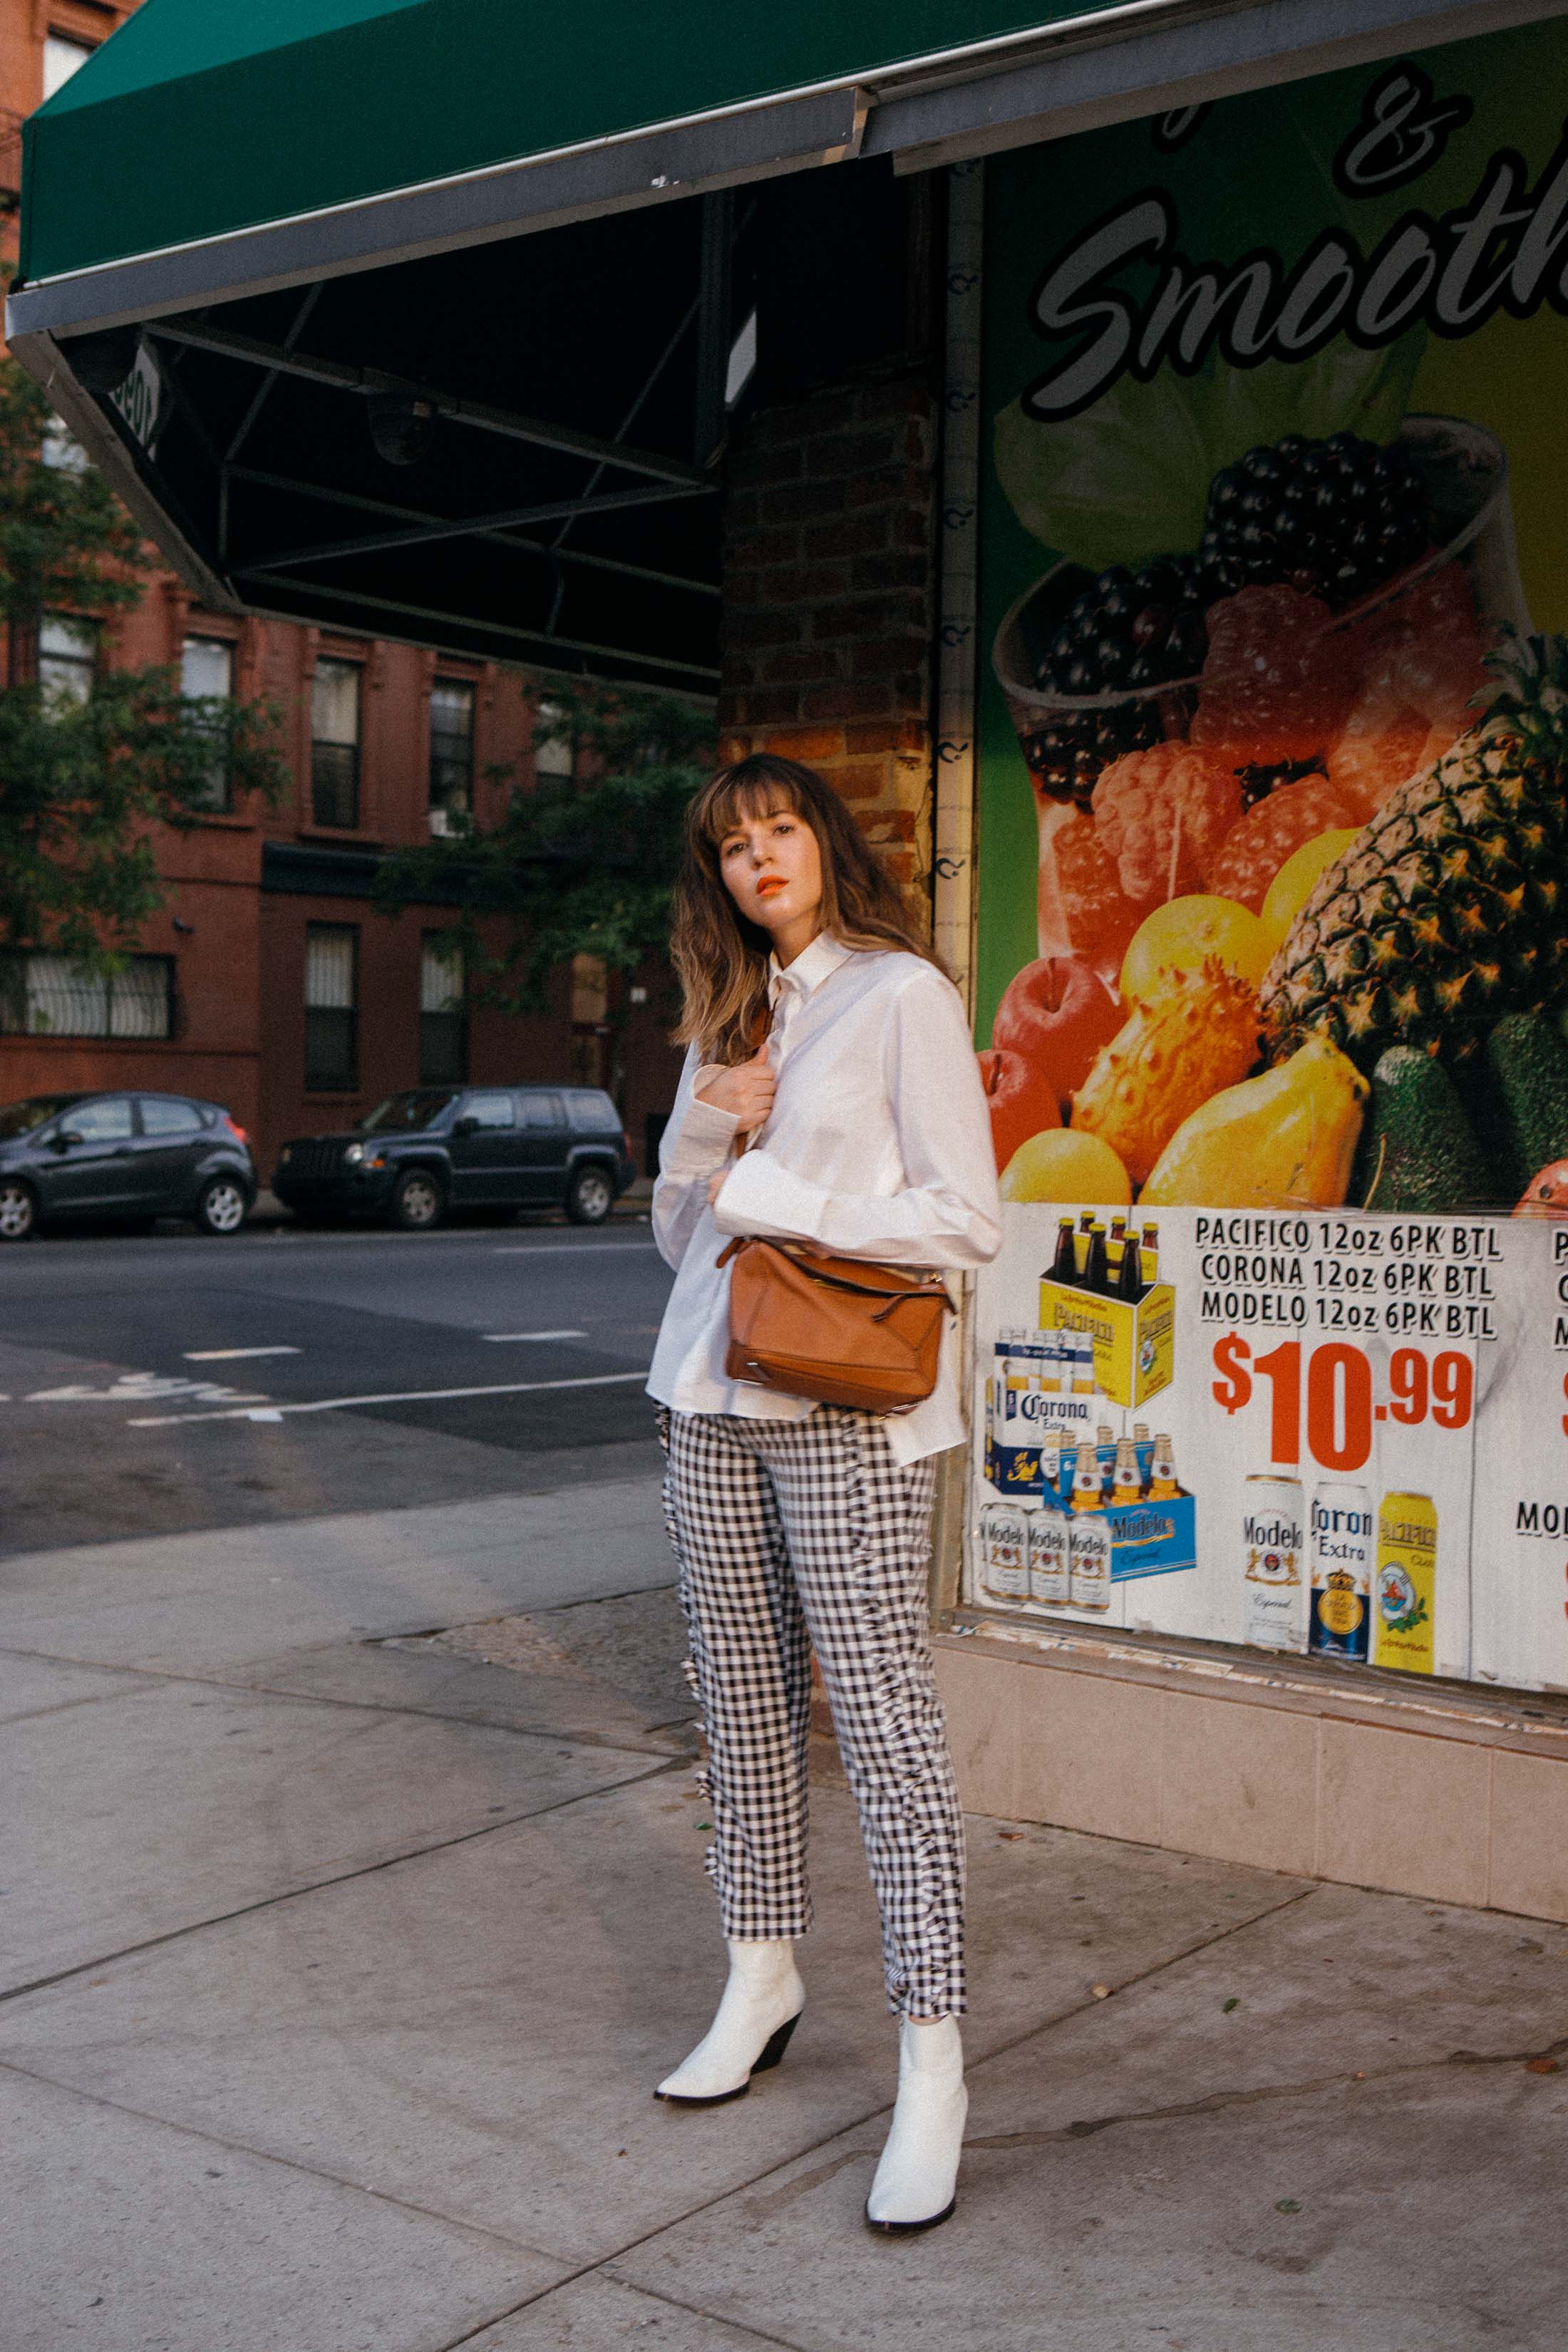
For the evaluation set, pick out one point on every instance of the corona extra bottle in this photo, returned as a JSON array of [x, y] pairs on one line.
[[1127, 1486]]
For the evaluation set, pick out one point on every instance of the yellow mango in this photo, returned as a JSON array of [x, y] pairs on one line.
[[1284, 1140]]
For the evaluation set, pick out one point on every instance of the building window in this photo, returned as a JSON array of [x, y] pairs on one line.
[[334, 744], [443, 1021], [206, 674], [451, 753], [62, 57], [67, 660], [44, 996], [332, 1008], [555, 754]]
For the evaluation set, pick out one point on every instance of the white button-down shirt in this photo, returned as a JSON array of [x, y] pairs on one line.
[[878, 1146]]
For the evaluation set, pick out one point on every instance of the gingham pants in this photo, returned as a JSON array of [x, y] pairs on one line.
[[786, 1529]]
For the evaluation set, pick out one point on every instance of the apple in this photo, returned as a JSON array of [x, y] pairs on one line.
[[1022, 1099], [1546, 1194], [1057, 1013]]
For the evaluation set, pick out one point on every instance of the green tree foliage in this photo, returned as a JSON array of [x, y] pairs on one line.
[[578, 866], [84, 784]]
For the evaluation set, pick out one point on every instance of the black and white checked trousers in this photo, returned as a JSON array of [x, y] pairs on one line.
[[786, 1529]]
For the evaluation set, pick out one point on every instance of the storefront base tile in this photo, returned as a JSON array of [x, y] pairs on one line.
[[1429, 1795]]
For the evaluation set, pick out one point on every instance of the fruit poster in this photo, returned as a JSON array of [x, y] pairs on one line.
[[1272, 950]]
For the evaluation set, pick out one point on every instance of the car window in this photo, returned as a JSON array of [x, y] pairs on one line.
[[21, 1117], [491, 1110], [161, 1116], [592, 1114], [541, 1110], [420, 1108], [100, 1122]]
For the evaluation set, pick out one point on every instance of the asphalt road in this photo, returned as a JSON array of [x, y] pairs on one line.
[[174, 1383]]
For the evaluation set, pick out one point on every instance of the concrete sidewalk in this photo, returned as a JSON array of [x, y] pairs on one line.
[[1214, 2109]]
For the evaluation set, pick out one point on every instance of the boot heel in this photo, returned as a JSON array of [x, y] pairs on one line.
[[774, 2047]]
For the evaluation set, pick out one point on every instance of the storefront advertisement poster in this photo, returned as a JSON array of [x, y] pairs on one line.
[[1273, 918]]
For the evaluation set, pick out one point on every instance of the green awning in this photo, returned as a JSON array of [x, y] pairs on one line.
[[209, 151], [195, 120], [265, 241]]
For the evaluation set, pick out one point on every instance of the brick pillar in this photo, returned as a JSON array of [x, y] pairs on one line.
[[829, 609], [829, 602]]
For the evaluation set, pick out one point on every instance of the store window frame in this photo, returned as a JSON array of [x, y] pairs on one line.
[[336, 759], [331, 1024]]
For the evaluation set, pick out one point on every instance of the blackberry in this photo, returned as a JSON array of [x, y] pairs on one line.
[[1065, 758], [1135, 629], [1333, 519]]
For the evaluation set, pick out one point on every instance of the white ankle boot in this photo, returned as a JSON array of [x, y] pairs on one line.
[[760, 2010], [918, 2174]]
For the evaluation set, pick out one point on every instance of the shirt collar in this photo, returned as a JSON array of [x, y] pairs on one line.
[[809, 970]]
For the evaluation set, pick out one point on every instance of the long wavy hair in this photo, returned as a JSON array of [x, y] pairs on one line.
[[720, 958]]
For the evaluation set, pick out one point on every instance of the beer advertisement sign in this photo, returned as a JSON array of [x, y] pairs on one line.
[[1272, 952]]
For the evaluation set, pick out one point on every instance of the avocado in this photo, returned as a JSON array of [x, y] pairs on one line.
[[1526, 1066], [1418, 1151]]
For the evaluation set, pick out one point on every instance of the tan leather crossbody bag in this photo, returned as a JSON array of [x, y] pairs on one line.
[[836, 1330]]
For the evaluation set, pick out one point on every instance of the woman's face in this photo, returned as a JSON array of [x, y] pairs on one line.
[[771, 867]]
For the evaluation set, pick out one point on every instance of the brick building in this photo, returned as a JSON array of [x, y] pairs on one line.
[[269, 982]]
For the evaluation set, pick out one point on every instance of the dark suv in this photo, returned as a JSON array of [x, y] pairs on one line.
[[125, 1157], [421, 1155]]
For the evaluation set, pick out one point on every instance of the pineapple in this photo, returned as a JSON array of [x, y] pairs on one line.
[[1451, 907]]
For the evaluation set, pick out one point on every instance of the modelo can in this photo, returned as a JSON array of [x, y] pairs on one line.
[[1341, 1571], [1050, 1571], [1406, 1582], [1275, 1614], [1089, 1561], [1002, 1538]]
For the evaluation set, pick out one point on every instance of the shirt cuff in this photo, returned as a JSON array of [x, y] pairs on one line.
[[761, 1197], [703, 1143]]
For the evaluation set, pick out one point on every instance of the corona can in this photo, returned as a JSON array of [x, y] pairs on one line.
[[1341, 1572], [1275, 1611], [1002, 1546], [1406, 1589]]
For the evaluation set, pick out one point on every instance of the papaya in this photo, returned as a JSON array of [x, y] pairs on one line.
[[1418, 1151], [1525, 1083], [1284, 1140]]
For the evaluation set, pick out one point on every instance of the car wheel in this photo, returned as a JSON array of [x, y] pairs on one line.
[[590, 1196], [418, 1204], [18, 1210], [222, 1207]]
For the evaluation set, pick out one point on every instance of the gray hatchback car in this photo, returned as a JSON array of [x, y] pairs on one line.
[[125, 1158]]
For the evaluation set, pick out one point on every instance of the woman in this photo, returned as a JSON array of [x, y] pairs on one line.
[[830, 1095]]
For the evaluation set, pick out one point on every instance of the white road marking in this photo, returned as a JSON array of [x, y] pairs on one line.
[[402, 1396], [577, 1249], [268, 1414], [140, 1388], [228, 1355], [504, 1338]]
